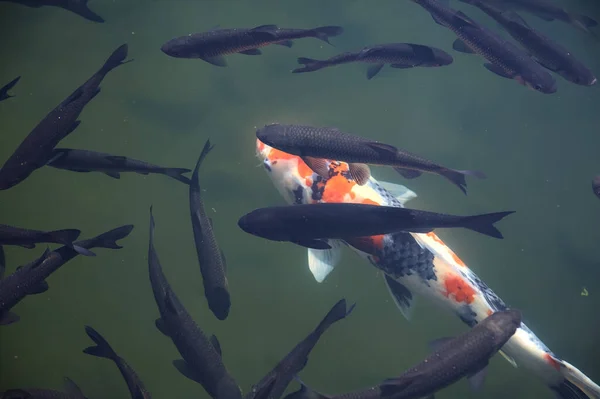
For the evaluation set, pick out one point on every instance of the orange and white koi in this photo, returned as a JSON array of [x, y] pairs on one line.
[[416, 263]]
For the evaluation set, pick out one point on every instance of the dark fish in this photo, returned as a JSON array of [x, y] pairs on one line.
[[213, 45], [274, 384], [547, 11], [78, 7], [36, 150], [596, 186], [111, 165], [544, 50], [72, 392], [314, 144], [466, 355], [505, 59], [398, 55], [305, 392], [26, 238], [210, 256], [309, 224], [202, 360], [2, 263], [4, 90], [103, 349], [30, 279]]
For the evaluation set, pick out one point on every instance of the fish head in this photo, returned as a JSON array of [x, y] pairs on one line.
[[596, 186], [277, 136], [179, 47], [578, 74], [503, 325], [441, 58], [537, 79], [263, 223]]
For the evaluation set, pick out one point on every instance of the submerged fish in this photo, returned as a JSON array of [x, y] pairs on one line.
[[596, 186], [36, 150], [78, 7], [416, 264], [4, 90], [202, 360], [111, 165], [103, 349], [544, 50], [315, 143], [213, 45], [210, 256], [72, 392], [31, 278], [398, 55], [274, 384], [10, 235], [505, 59], [309, 224]]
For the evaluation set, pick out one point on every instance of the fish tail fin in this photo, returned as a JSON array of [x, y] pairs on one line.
[[484, 224], [309, 65], [583, 22], [177, 174], [575, 385], [116, 58], [65, 237], [337, 313], [325, 32], [219, 302], [102, 348], [109, 239], [458, 177], [207, 148], [81, 8]]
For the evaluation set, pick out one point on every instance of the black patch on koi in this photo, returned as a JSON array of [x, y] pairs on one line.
[[298, 195], [318, 189], [267, 167], [405, 257], [468, 316]]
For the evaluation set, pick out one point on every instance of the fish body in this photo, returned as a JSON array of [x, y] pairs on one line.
[[274, 384], [210, 257], [505, 59], [103, 349], [398, 55], [306, 224], [202, 360], [72, 392], [596, 185], [212, 45], [36, 150], [111, 165], [10, 235], [4, 90], [30, 279], [544, 50], [312, 142], [78, 7], [418, 264]]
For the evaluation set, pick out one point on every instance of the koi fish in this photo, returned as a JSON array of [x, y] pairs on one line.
[[416, 264]]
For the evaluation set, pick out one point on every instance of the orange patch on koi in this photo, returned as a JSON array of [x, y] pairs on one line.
[[490, 312], [461, 290], [552, 362], [260, 145], [457, 259], [369, 202], [370, 245], [303, 169], [336, 189], [435, 238]]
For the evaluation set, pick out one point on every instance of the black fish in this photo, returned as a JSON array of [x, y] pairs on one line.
[[314, 144], [306, 392], [73, 392], [309, 224], [596, 186], [78, 7], [111, 165], [30, 279], [26, 238], [202, 360], [36, 150], [4, 90], [103, 349], [210, 256], [398, 55], [466, 355], [274, 384], [505, 59], [211, 46], [544, 50], [2, 263]]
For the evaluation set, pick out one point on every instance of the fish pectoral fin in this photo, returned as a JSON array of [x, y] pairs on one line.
[[360, 173], [373, 70], [402, 296], [322, 262], [286, 43], [477, 379], [7, 318], [184, 368], [408, 173], [400, 192], [72, 389], [382, 148], [497, 70], [160, 325], [39, 288], [215, 343], [437, 20], [462, 47], [508, 358], [317, 165], [114, 175], [217, 60], [402, 66], [439, 343], [546, 65], [315, 244], [252, 51]]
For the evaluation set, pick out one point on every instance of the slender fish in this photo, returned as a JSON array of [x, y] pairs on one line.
[[78, 7], [72, 392], [4, 90], [10, 235]]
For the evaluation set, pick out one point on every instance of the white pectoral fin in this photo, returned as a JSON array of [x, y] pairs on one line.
[[402, 296], [322, 262], [509, 359], [399, 191]]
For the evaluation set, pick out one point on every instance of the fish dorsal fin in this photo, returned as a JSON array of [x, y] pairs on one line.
[[209, 220], [224, 260], [402, 296], [477, 379], [161, 326], [117, 159], [169, 301], [508, 358], [465, 18], [322, 262], [514, 17], [268, 27], [400, 192], [72, 388], [215, 343], [439, 343], [382, 148], [72, 97]]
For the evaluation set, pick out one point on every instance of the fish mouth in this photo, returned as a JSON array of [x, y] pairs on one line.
[[593, 81]]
